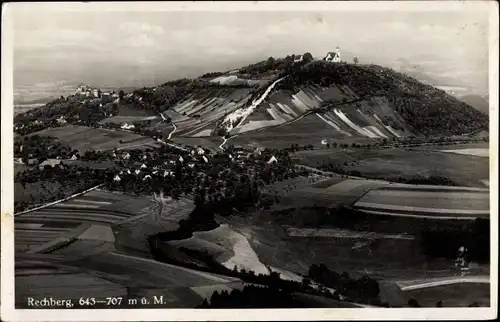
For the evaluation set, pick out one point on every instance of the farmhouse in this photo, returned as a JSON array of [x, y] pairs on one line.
[[298, 58], [126, 156], [272, 160], [50, 162], [168, 173], [61, 120], [74, 157], [117, 178], [333, 57]]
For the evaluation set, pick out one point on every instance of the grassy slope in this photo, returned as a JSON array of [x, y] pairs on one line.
[[465, 170]]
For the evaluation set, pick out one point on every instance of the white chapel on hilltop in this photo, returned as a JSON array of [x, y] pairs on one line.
[[333, 57]]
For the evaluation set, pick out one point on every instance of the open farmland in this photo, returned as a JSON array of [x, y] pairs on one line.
[[440, 203], [378, 255], [132, 218], [85, 138], [112, 274], [211, 143], [391, 164], [312, 130], [119, 119], [97, 242], [453, 295]]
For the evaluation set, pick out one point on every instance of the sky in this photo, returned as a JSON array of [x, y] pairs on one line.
[[131, 48]]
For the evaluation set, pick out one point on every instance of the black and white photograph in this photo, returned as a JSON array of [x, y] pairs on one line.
[[250, 157]]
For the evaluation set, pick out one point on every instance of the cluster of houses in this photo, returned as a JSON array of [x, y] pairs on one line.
[[331, 57], [90, 91]]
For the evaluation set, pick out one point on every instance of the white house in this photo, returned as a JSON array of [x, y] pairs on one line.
[[61, 120], [205, 159], [126, 126], [200, 151], [333, 57], [51, 162], [147, 177], [137, 171], [117, 178], [126, 156], [74, 157], [324, 142], [191, 165], [298, 58], [181, 159], [168, 173], [143, 166], [272, 160]]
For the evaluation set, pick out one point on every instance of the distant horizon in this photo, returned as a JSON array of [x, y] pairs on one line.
[[53, 49]]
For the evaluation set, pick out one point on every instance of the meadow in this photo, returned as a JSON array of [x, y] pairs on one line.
[[453, 295], [393, 163], [85, 138]]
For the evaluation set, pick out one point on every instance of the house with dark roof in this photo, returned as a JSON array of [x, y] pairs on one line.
[[298, 58], [51, 162]]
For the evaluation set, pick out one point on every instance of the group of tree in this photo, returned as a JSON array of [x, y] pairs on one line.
[[70, 179], [362, 290], [252, 296], [41, 148]]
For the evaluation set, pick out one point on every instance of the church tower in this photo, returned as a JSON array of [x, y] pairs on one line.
[[336, 59]]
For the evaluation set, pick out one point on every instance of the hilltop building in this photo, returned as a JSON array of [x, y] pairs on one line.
[[298, 58], [333, 57]]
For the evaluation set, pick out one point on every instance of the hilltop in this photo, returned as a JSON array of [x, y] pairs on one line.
[[337, 101]]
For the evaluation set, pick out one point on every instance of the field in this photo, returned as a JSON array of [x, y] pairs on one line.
[[312, 130], [381, 256], [97, 243], [425, 202], [454, 295], [464, 170], [199, 112], [110, 275], [85, 138], [131, 218], [208, 143], [119, 119], [228, 247]]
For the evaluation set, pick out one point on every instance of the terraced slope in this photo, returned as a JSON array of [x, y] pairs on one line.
[[354, 101]]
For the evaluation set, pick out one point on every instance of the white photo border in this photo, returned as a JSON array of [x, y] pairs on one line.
[[8, 312]]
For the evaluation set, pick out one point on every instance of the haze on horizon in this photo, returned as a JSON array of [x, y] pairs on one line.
[[111, 48]]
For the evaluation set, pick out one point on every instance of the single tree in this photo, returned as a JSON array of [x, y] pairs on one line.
[[307, 57], [356, 60]]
